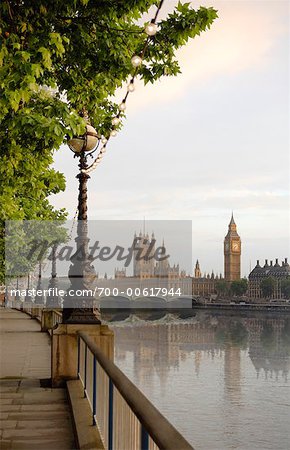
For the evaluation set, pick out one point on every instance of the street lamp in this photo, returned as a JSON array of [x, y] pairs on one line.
[[88, 142], [53, 300], [39, 299], [81, 273], [27, 298]]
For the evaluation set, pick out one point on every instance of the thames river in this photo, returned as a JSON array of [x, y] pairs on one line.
[[222, 380]]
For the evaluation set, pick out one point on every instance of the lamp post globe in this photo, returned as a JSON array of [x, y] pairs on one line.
[[85, 143]]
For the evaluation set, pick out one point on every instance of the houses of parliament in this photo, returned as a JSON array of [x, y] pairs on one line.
[[145, 269], [149, 272]]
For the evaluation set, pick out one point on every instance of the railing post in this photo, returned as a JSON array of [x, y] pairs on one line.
[[85, 374], [144, 439], [79, 349], [110, 424], [94, 390]]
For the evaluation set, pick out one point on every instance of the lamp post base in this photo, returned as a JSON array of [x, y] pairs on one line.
[[81, 315], [64, 361]]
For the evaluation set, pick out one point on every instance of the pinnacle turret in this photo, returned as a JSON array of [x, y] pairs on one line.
[[232, 224]]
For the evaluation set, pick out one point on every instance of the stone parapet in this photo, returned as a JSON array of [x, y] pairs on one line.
[[64, 360]]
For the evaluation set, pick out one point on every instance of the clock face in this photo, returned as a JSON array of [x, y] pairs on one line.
[[235, 246], [227, 246]]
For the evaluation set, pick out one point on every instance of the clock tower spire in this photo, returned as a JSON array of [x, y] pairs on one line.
[[232, 253]]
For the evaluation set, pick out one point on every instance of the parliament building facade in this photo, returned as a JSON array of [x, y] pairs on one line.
[[278, 272]]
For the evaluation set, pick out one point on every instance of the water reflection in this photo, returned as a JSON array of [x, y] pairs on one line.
[[267, 339], [215, 376]]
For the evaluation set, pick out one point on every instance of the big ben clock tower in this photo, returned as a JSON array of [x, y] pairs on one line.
[[232, 253]]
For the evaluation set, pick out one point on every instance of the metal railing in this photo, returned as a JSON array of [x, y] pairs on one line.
[[125, 417]]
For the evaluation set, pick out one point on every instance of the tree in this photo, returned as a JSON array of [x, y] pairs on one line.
[[28, 242], [267, 287], [63, 59], [285, 287], [239, 287], [221, 287]]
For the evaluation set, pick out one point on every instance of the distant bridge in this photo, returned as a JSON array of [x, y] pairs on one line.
[[137, 302]]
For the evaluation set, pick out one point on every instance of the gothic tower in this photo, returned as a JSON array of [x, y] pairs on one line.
[[197, 271], [232, 253], [143, 260], [162, 267]]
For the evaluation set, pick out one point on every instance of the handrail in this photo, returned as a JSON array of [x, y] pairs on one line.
[[155, 431], [155, 424]]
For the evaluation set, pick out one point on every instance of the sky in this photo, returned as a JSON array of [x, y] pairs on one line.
[[210, 141]]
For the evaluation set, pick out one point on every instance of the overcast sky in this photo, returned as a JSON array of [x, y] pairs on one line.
[[212, 140]]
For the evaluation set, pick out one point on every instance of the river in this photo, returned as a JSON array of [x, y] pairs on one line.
[[221, 379]]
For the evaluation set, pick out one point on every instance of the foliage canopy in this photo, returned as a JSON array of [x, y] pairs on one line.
[[285, 287], [239, 287], [267, 286], [58, 58]]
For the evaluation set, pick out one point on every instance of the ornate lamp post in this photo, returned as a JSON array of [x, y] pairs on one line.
[[17, 297], [79, 309], [53, 300], [39, 300], [28, 298]]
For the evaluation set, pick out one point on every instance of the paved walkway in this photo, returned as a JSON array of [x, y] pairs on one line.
[[32, 417]]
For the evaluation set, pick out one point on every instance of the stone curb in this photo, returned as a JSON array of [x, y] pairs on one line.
[[86, 434]]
